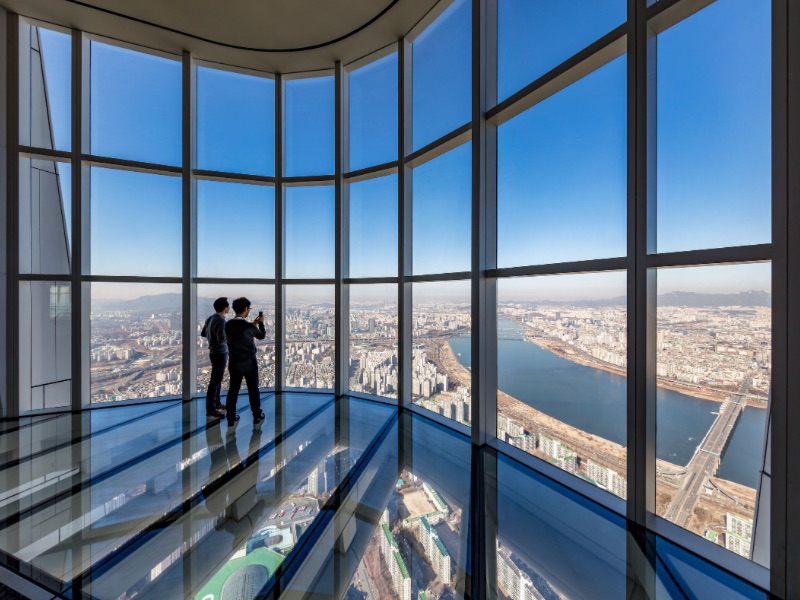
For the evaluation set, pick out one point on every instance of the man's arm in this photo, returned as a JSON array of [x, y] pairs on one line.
[[261, 333]]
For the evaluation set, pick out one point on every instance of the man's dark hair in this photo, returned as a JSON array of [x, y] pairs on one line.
[[221, 304], [240, 305]]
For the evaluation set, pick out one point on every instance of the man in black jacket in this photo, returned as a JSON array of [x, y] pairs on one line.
[[214, 332], [241, 336]]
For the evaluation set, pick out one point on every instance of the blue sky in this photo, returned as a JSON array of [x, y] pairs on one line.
[[562, 165]]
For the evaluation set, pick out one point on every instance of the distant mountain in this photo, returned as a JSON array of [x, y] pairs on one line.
[[688, 299], [695, 300], [160, 303]]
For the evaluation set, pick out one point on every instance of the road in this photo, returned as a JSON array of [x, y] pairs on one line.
[[706, 459]]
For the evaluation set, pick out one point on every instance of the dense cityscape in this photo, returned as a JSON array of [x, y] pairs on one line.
[[706, 352]]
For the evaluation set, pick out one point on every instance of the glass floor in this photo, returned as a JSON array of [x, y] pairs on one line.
[[329, 499]]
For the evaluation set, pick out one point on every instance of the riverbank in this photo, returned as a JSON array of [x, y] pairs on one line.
[[579, 357]]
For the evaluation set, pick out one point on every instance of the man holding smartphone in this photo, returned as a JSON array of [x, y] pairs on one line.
[[241, 335]]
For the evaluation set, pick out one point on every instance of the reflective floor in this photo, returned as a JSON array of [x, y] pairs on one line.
[[329, 499]]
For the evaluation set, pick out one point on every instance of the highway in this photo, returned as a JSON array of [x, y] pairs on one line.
[[706, 459]]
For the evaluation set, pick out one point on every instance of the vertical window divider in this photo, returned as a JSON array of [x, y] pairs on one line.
[[342, 241], [483, 385], [404, 246], [10, 397], [784, 470], [280, 341], [641, 283], [189, 237]]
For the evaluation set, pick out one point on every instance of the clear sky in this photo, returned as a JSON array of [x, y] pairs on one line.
[[562, 164]]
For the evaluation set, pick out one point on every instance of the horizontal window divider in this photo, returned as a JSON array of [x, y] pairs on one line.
[[128, 279], [708, 551], [691, 258], [234, 280], [458, 276], [41, 277], [438, 147], [209, 64], [665, 13], [580, 266], [118, 43], [309, 180], [131, 165], [371, 398], [46, 154], [208, 175], [321, 281], [561, 477], [302, 390], [372, 172], [368, 280], [371, 57], [440, 419], [427, 19], [603, 51]]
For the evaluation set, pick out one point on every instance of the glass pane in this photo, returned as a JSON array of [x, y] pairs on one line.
[[561, 372], [373, 113], [553, 543], [714, 128], [535, 37], [310, 126], [562, 174], [442, 211], [714, 353], [44, 345], [263, 299], [45, 216], [441, 326], [135, 105], [373, 227], [45, 119], [136, 341], [235, 122], [373, 339], [310, 336], [235, 230], [310, 232], [136, 223], [442, 75]]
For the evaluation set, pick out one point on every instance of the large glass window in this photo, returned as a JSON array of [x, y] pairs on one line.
[[262, 298], [136, 341], [310, 327], [440, 362], [309, 126], [135, 105], [310, 232], [442, 75], [442, 211], [373, 227], [135, 223], [45, 88], [235, 122], [714, 354], [562, 174], [714, 128], [561, 372], [374, 361], [535, 37], [45, 216], [373, 113], [235, 230]]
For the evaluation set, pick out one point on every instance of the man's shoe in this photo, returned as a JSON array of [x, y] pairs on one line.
[[215, 414], [221, 407], [257, 421], [232, 425]]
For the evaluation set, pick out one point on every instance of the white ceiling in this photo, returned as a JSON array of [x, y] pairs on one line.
[[274, 35]]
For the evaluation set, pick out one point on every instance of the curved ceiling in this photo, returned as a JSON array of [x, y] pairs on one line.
[[273, 35]]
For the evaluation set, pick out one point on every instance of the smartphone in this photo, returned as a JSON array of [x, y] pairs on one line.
[[261, 314]]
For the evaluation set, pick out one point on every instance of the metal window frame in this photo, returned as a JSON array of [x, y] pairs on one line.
[[637, 38]]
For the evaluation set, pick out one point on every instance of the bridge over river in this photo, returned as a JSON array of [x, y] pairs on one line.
[[707, 457]]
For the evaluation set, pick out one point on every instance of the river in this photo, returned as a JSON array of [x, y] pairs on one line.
[[595, 401]]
